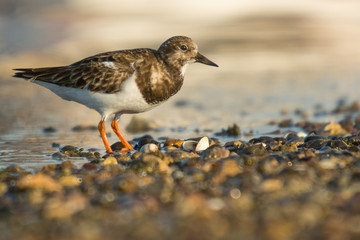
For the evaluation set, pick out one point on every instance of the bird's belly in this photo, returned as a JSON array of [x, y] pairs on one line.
[[127, 100]]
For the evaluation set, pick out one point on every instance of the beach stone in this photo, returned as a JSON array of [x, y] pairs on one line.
[[215, 152], [68, 148], [309, 126], [69, 181], [50, 130], [327, 164], [151, 162], [315, 144], [347, 124], [55, 145], [173, 142], [267, 166], [332, 128], [306, 154], [123, 158], [179, 155], [264, 139], [314, 137], [39, 181], [353, 140], [67, 164], [353, 204], [254, 149], [290, 135], [169, 148], [90, 166], [274, 146], [226, 168], [3, 188], [286, 123], [82, 128], [298, 142], [14, 168], [354, 149], [233, 145], [290, 147], [65, 207], [232, 131], [117, 146], [127, 183], [109, 161], [271, 185], [337, 144], [149, 147]]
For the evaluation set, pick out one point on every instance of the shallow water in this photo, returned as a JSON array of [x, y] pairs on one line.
[[32, 150]]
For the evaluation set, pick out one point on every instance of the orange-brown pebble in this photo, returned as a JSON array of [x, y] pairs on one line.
[[173, 142]]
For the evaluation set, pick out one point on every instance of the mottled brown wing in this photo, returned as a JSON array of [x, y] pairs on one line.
[[100, 73]]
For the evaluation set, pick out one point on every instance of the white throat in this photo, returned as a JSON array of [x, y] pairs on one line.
[[183, 69]]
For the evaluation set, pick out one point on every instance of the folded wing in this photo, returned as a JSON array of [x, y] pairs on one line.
[[100, 73]]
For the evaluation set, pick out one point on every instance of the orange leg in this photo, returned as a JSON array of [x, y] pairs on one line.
[[114, 125], [101, 128]]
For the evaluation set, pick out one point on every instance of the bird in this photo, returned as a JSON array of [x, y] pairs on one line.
[[121, 82]]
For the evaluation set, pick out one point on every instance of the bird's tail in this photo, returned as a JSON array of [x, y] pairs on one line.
[[33, 74]]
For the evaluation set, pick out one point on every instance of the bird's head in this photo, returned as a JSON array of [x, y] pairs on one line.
[[180, 51]]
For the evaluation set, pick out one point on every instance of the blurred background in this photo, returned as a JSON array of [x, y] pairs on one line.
[[275, 58]]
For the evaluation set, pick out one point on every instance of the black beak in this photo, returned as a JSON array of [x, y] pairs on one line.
[[202, 59]]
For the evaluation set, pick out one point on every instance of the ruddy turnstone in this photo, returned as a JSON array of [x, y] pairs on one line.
[[121, 82]]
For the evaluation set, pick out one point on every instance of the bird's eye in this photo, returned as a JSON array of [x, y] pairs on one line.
[[183, 47]]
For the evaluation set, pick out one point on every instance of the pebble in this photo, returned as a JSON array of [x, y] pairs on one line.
[[332, 128], [225, 169], [215, 152], [179, 155], [109, 161], [55, 145], [82, 128], [233, 145], [270, 185], [117, 146], [258, 148], [69, 181], [3, 188], [50, 130], [337, 144], [315, 144], [286, 123], [149, 147], [68, 148], [231, 131], [289, 147], [173, 142], [39, 181]]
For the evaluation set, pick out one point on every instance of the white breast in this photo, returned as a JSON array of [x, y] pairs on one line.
[[127, 100]]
